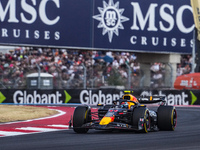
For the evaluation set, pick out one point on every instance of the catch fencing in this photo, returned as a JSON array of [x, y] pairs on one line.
[[98, 75]]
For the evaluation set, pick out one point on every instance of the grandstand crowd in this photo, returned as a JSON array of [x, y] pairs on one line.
[[70, 66]]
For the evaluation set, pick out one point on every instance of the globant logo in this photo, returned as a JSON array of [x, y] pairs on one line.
[[88, 97], [22, 97]]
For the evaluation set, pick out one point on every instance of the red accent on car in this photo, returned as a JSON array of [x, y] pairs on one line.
[[112, 119]]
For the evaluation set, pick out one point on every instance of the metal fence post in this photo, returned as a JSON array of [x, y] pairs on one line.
[[194, 51], [39, 78], [129, 76], [85, 76], [171, 78]]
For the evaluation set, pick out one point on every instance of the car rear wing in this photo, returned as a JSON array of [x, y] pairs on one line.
[[143, 100], [151, 99]]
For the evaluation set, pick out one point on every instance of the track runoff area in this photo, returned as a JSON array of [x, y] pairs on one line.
[[47, 124]]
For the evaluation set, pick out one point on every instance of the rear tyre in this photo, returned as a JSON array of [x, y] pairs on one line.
[[81, 116], [167, 118], [141, 112]]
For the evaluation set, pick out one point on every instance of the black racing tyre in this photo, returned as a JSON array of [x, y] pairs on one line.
[[167, 118], [141, 112], [80, 117]]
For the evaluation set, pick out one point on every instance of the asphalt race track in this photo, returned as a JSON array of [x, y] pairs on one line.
[[186, 136]]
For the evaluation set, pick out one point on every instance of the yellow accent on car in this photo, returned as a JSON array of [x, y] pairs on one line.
[[172, 119], [151, 98], [128, 92], [106, 120], [86, 113], [145, 124]]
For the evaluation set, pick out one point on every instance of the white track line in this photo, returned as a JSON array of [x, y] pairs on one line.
[[59, 125], [8, 133], [32, 130], [37, 129]]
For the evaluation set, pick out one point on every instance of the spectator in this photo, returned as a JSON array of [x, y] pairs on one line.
[[157, 79], [67, 65], [179, 70]]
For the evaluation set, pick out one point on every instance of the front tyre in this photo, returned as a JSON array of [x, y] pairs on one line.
[[80, 117], [167, 118], [141, 113]]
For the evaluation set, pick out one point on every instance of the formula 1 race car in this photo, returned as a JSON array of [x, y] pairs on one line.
[[127, 113]]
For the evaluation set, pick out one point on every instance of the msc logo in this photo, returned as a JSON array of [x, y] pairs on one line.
[[110, 19]]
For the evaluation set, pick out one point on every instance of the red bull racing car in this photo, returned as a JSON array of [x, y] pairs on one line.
[[127, 113]]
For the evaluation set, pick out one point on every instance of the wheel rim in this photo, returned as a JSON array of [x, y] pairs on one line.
[[174, 119], [147, 122]]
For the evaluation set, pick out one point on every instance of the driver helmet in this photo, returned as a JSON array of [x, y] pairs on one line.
[[124, 105], [134, 99]]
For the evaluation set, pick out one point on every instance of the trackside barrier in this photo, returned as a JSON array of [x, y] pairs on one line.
[[92, 96]]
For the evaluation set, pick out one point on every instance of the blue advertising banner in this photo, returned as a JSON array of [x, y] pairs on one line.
[[135, 25], [92, 96]]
